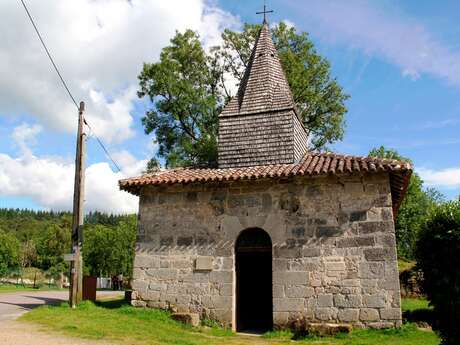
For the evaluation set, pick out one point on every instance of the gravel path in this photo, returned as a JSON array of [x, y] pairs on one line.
[[13, 305]]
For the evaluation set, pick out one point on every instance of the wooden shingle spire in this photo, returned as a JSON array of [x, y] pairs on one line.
[[264, 87], [259, 126]]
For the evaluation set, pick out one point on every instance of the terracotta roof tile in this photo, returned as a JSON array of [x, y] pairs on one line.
[[311, 164]]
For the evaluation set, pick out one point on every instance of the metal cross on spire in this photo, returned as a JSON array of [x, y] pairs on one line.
[[264, 12]]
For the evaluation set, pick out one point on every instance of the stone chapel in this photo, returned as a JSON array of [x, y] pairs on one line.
[[276, 232]]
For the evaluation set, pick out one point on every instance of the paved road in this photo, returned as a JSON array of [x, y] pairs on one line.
[[13, 305]]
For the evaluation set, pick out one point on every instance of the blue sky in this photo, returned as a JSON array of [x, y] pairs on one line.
[[398, 99], [398, 60]]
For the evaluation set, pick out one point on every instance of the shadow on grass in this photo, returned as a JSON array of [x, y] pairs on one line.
[[421, 317], [113, 303]]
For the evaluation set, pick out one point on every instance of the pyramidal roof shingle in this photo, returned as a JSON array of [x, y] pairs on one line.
[[264, 87]]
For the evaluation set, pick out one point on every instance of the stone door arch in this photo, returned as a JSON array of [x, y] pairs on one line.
[[253, 265]]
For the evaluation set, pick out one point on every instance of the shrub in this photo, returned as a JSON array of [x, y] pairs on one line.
[[438, 256]]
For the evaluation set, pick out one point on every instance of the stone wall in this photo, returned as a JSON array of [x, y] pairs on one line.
[[334, 252]]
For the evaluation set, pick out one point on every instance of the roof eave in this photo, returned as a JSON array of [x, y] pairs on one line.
[[399, 181]]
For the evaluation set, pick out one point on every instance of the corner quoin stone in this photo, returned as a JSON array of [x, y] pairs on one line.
[[369, 314], [380, 254], [390, 314]]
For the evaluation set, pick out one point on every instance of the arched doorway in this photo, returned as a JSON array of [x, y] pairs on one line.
[[253, 263]]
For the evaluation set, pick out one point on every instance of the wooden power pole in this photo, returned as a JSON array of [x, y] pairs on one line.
[[76, 271]]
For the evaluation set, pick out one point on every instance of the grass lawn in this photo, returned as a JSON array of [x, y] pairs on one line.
[[418, 311], [413, 304], [114, 320], [4, 288]]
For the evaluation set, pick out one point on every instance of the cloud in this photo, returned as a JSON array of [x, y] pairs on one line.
[[289, 23], [115, 112], [213, 22], [418, 143], [440, 123], [100, 47], [24, 135], [130, 166], [49, 181], [397, 39], [448, 178]]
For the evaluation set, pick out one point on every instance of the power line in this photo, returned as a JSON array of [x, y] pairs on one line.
[[48, 53], [102, 146], [65, 84]]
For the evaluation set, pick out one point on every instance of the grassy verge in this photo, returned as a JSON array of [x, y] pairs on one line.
[[405, 264], [113, 320], [413, 304], [417, 311], [5, 288], [117, 321], [408, 334]]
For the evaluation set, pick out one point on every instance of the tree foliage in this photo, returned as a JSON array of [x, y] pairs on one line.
[[9, 253], [43, 237], [188, 88], [414, 208], [28, 253], [109, 251], [25, 224], [184, 89], [438, 257], [51, 245]]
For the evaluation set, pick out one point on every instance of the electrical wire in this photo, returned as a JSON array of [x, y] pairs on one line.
[[48, 53], [65, 85], [102, 145]]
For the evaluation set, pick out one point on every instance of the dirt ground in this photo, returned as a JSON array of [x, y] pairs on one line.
[[13, 305], [21, 333]]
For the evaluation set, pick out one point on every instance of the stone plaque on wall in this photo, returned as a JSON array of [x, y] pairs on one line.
[[203, 263]]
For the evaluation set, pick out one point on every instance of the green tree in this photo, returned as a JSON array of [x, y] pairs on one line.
[[438, 257], [184, 88], [414, 208], [97, 250], [110, 250], [28, 253], [152, 165], [188, 88], [9, 253], [51, 246], [126, 234]]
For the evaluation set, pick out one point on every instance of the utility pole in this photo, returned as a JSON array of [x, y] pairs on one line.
[[76, 276]]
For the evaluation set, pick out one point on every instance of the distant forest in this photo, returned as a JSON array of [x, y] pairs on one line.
[[39, 239]]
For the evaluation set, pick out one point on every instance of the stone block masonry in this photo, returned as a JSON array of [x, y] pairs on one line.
[[334, 251]]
